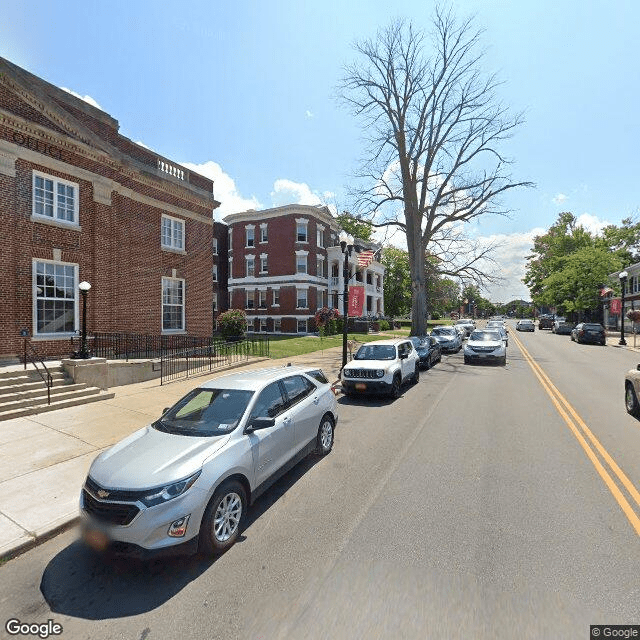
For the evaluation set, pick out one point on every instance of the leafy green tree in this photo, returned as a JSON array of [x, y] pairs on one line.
[[357, 227], [397, 281]]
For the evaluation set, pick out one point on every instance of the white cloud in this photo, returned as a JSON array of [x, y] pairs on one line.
[[560, 199], [308, 114], [224, 189], [591, 223], [87, 99], [289, 192]]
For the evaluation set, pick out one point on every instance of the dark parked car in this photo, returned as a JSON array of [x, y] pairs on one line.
[[589, 332], [546, 321], [562, 327], [428, 350]]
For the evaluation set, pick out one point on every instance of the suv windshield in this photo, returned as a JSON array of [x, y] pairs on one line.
[[376, 352], [485, 336], [205, 412]]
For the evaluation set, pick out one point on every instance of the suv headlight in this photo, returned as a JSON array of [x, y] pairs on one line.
[[169, 491], [380, 373]]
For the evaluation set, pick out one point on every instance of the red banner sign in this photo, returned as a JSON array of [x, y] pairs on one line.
[[615, 305], [356, 301]]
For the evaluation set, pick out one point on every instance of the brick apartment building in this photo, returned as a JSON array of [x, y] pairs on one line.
[[81, 202], [286, 263]]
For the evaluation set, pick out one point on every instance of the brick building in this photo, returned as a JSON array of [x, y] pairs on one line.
[[81, 202], [286, 263]]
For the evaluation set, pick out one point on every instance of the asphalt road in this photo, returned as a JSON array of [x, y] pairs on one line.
[[468, 508]]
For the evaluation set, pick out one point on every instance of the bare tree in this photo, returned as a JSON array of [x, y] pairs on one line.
[[434, 126]]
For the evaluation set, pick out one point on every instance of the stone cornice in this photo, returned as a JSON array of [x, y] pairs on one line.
[[253, 215]]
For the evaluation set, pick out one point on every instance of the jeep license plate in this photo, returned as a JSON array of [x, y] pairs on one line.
[[361, 386]]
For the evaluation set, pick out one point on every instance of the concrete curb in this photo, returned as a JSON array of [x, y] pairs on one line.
[[23, 546]]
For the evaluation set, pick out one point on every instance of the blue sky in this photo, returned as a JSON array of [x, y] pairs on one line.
[[245, 91]]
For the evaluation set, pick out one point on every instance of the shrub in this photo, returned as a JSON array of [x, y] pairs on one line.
[[384, 325], [232, 323]]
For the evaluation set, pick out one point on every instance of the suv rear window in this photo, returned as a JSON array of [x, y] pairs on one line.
[[592, 327]]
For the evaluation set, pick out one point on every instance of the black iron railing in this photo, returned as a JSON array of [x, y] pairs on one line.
[[217, 354], [32, 356]]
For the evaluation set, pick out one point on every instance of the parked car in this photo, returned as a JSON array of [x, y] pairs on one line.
[[525, 325], [467, 324], [449, 339], [562, 327], [546, 321], [428, 349], [185, 481], [485, 346], [501, 328], [589, 332], [381, 367], [631, 391]]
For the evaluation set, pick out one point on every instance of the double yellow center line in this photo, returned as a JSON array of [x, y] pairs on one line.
[[582, 434]]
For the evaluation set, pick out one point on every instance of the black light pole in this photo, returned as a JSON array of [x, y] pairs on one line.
[[346, 244], [623, 284], [84, 350]]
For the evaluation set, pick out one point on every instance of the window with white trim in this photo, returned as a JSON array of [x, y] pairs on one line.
[[302, 326], [264, 234], [55, 199], [320, 267], [251, 267], [215, 246], [251, 300], [302, 301], [301, 232], [301, 264], [320, 237], [214, 273], [276, 297], [262, 299], [172, 304], [172, 233], [263, 324], [251, 237], [55, 297], [277, 324], [264, 264]]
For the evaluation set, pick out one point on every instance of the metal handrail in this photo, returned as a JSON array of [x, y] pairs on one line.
[[33, 357]]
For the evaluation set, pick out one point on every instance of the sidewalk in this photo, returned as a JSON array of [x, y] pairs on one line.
[[44, 458]]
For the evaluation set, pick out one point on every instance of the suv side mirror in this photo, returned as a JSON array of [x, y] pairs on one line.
[[259, 423]]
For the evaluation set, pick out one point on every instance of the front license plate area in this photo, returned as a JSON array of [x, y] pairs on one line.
[[95, 539], [361, 386]]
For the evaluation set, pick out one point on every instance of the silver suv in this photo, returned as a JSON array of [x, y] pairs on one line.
[[184, 482], [381, 367]]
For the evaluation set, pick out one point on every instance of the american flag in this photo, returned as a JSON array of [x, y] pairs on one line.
[[365, 258]]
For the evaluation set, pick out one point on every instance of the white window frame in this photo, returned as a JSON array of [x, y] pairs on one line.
[[215, 247], [263, 324], [246, 298], [250, 259], [162, 304], [264, 233], [306, 298], [306, 265], [55, 200], [76, 298], [320, 236], [262, 299], [175, 223], [214, 273], [276, 298], [264, 263], [250, 236], [277, 325], [301, 222], [306, 326]]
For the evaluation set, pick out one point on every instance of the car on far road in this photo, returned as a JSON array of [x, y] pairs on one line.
[[525, 325], [632, 391], [562, 326], [485, 345], [449, 339], [428, 349], [467, 324], [381, 367], [546, 321], [184, 482], [589, 332]]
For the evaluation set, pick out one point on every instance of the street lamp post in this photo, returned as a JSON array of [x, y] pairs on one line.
[[347, 246], [623, 285], [84, 350]]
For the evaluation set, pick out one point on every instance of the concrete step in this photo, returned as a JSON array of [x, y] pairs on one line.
[[27, 383], [67, 392], [58, 404], [19, 372], [36, 394]]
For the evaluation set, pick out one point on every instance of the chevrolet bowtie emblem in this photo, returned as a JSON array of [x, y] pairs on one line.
[[103, 494]]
